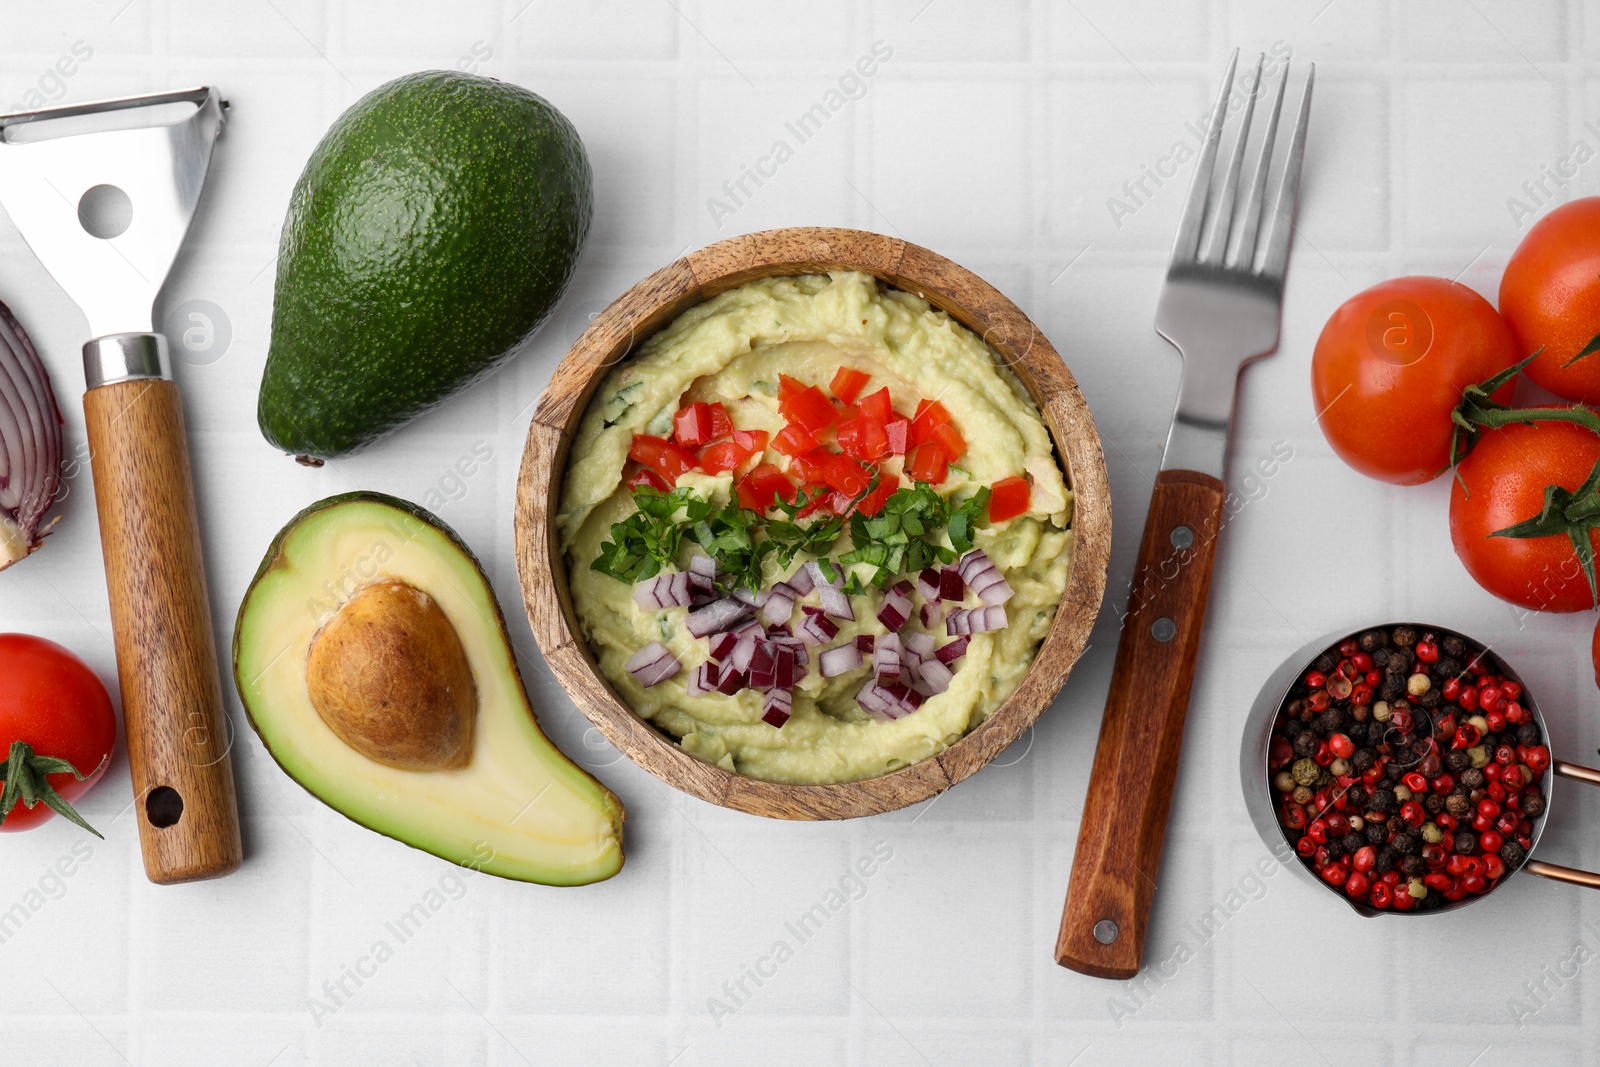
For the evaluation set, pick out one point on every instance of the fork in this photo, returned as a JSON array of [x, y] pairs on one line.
[[1220, 307]]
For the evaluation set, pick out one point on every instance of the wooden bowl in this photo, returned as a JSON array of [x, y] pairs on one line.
[[655, 302]]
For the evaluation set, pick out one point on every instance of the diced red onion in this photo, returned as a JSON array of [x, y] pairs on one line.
[[783, 669], [886, 659], [864, 643], [836, 603], [951, 651], [745, 596], [794, 645], [801, 579], [732, 681], [984, 578], [652, 664], [780, 604], [909, 699], [744, 651], [931, 614], [663, 591], [722, 645], [703, 679], [749, 626], [30, 442], [716, 616], [703, 572], [818, 629], [951, 585], [928, 583], [920, 643], [934, 676], [819, 578], [839, 660], [761, 658], [896, 607], [879, 702], [781, 630], [776, 707], [976, 620]]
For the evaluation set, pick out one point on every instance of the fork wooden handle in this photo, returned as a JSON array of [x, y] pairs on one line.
[[166, 655], [1130, 789]]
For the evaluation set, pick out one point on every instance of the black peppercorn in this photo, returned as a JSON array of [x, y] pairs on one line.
[[1532, 803], [1393, 772], [1431, 699], [1472, 778], [1414, 866], [1335, 847], [1397, 825], [1405, 843], [1457, 760], [1457, 804], [1404, 636], [1512, 853], [1387, 857], [1356, 796], [1453, 646], [1380, 657], [1305, 744], [1382, 801], [1434, 803], [1363, 760], [1447, 667], [1334, 720], [1352, 841], [1466, 841], [1393, 687], [1325, 663], [1376, 833], [1357, 731], [1527, 734], [1372, 640]]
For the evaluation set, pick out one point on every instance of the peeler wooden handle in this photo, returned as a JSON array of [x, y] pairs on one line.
[[178, 739], [1130, 788]]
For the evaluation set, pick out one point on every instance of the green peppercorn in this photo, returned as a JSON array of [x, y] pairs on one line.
[[1431, 833], [1480, 756], [1306, 771], [1416, 889], [1402, 792]]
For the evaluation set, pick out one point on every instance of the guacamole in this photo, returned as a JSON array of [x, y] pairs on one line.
[[732, 350]]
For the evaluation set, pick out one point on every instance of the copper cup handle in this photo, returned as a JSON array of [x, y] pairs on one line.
[[1555, 871]]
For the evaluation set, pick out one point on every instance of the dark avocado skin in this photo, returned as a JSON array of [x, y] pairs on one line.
[[434, 228]]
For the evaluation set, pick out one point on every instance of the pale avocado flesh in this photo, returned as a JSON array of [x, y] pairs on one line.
[[519, 808]]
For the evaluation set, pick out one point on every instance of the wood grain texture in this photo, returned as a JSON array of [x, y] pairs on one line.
[[166, 653], [1130, 788], [656, 301]]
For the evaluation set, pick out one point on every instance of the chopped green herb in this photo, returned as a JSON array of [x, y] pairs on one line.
[[647, 541]]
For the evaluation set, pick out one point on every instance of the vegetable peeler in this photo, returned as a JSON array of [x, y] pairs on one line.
[[104, 193]]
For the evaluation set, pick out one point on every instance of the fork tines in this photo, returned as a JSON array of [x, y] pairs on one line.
[[1224, 230]]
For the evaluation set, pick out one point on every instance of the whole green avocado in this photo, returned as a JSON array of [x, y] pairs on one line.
[[432, 231]]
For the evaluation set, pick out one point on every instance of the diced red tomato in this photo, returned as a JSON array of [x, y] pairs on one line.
[[810, 407], [929, 463], [954, 444], [898, 433], [764, 484], [663, 457], [699, 423], [877, 405], [862, 438], [794, 440], [726, 455], [845, 475], [929, 417], [874, 501], [810, 465], [824, 499], [848, 383], [1009, 498], [788, 387], [645, 476]]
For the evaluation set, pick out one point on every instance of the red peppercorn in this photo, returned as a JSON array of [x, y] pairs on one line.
[[1491, 841], [1493, 771], [1356, 885], [1401, 720], [1451, 689], [1318, 831], [1342, 746], [1490, 698], [1512, 690], [1305, 846], [1448, 842], [1427, 651], [1508, 823], [1380, 895], [1445, 820], [1336, 873], [1413, 813], [1480, 823], [1374, 678], [1434, 855], [1349, 647], [1316, 679], [1466, 736], [1404, 901], [1391, 877], [1468, 698], [1496, 721], [1338, 825], [1537, 758], [1324, 754], [1516, 713], [1456, 866], [1361, 695], [1474, 882], [1506, 754], [1488, 808], [1442, 785], [1415, 782], [1280, 753], [1497, 792], [1361, 662], [1455, 892], [1294, 816], [1493, 866], [1437, 881], [1365, 857], [1319, 700]]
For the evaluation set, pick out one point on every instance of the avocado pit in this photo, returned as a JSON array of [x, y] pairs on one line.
[[389, 676]]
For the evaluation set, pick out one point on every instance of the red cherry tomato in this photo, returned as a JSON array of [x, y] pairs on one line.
[[1550, 296], [1502, 483], [52, 702], [1390, 366]]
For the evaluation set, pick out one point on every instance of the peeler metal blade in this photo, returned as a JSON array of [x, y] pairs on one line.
[[104, 194]]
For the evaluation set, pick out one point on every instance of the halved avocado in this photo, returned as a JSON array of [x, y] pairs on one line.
[[373, 662]]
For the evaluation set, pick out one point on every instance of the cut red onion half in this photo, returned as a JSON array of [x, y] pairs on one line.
[[951, 651], [818, 629], [780, 604], [886, 659], [836, 603], [984, 578], [663, 591], [777, 707], [951, 585], [976, 620], [30, 443], [716, 616], [896, 607], [652, 664], [928, 583], [839, 660]]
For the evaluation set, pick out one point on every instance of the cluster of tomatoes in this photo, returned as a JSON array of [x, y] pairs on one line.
[[1393, 364], [830, 448]]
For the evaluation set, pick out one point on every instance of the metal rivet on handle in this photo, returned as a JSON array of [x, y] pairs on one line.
[[1106, 931], [1182, 537], [1163, 629]]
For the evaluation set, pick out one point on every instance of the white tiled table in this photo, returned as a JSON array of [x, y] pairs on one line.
[[998, 140]]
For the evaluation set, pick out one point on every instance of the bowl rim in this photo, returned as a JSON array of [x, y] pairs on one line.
[[694, 278]]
